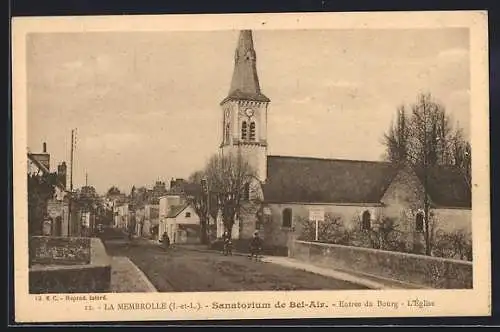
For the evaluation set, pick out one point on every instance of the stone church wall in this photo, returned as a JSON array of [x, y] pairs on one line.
[[349, 214], [447, 220]]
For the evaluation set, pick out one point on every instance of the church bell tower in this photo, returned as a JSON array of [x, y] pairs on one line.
[[244, 110]]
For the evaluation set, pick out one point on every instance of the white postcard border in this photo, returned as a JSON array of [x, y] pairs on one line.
[[475, 302]]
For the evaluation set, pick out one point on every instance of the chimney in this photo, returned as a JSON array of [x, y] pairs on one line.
[[43, 157]]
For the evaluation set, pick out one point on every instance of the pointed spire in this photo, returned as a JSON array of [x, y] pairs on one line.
[[245, 81]]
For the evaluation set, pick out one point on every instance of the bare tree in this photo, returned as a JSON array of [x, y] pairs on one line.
[[426, 134], [424, 139], [40, 190], [229, 177], [461, 155], [396, 139], [198, 196]]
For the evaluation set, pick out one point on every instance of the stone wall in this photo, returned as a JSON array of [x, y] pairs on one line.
[[422, 270], [51, 250], [71, 276]]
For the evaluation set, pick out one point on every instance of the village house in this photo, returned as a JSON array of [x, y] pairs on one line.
[[151, 218], [56, 222], [183, 224], [359, 192], [121, 215], [147, 218], [140, 220], [164, 207]]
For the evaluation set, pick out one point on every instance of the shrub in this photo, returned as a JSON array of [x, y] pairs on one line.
[[331, 230], [457, 245], [385, 235]]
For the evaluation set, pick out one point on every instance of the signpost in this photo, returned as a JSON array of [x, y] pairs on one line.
[[317, 214]]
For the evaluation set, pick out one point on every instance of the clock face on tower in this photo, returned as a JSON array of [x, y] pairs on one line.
[[249, 112]]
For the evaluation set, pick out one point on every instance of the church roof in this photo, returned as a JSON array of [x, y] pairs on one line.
[[447, 186], [245, 81], [315, 180]]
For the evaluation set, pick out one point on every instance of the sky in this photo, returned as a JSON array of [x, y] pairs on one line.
[[145, 105]]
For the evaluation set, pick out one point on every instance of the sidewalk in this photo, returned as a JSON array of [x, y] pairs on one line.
[[126, 277], [370, 281]]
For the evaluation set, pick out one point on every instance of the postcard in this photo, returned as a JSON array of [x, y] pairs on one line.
[[251, 166]]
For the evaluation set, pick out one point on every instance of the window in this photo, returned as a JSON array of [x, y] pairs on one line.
[[246, 192], [244, 130], [419, 222], [365, 221], [188, 214], [227, 133], [287, 218], [58, 226], [252, 131]]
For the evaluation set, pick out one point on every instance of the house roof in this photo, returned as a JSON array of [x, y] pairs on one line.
[[190, 228], [44, 170], [38, 164], [315, 180], [175, 210], [447, 186]]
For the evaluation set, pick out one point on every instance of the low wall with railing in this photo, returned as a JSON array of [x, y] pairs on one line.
[[68, 265], [433, 272]]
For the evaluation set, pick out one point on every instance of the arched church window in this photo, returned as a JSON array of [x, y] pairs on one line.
[[244, 130], [287, 218], [419, 222], [58, 226], [252, 131], [226, 133], [366, 220], [246, 192]]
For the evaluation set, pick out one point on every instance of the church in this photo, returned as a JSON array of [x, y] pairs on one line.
[[287, 188]]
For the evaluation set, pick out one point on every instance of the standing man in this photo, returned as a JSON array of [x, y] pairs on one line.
[[226, 238], [255, 246], [165, 240]]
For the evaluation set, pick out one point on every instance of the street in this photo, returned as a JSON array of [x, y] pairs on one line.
[[184, 270]]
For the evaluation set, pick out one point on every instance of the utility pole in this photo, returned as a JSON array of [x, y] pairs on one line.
[[71, 159], [71, 182], [206, 210], [86, 179]]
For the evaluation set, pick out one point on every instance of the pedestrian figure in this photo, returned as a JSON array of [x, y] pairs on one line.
[[255, 246], [227, 249], [165, 240]]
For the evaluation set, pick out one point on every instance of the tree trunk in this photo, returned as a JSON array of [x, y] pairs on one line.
[[426, 225], [228, 227], [203, 231]]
